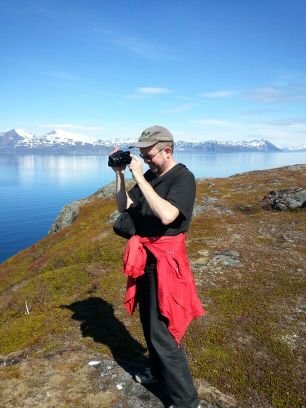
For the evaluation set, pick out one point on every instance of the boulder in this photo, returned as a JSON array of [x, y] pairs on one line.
[[67, 216], [285, 200], [70, 212]]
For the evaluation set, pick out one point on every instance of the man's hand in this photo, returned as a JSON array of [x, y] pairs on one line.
[[136, 168]]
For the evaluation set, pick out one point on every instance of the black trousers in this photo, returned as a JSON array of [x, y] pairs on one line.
[[168, 359]]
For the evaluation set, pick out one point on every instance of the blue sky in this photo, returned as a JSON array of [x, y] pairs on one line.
[[206, 69]]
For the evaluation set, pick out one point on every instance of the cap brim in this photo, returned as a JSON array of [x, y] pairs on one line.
[[143, 144]]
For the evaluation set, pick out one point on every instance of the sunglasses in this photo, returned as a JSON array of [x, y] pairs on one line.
[[149, 157]]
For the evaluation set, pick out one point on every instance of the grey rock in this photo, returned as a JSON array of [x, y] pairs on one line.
[[293, 204], [115, 379], [210, 200], [71, 211], [300, 195], [67, 216], [198, 209], [211, 397], [227, 258], [107, 191], [280, 207], [6, 362], [112, 218], [285, 200], [209, 203]]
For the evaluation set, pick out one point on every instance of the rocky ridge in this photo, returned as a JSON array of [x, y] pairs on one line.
[[282, 200], [74, 348], [97, 380]]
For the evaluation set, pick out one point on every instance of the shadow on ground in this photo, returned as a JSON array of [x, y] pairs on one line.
[[99, 322]]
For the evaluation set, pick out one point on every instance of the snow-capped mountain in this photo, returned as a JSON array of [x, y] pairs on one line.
[[301, 148], [16, 136], [63, 136], [57, 141], [214, 146], [62, 141]]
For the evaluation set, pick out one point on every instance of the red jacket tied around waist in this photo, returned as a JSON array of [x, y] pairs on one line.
[[177, 296]]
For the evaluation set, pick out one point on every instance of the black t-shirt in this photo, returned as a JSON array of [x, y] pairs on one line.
[[176, 186]]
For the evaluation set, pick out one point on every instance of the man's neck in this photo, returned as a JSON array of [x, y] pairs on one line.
[[169, 166]]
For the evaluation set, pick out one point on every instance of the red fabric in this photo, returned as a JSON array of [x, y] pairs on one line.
[[177, 296]]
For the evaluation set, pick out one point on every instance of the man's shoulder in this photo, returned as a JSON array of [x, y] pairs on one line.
[[181, 169], [178, 175]]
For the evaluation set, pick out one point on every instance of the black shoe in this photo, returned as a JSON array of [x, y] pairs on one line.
[[145, 377]]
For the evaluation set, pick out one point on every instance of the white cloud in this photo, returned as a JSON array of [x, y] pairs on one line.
[[277, 92], [286, 93], [185, 107], [268, 94], [290, 77], [152, 91], [136, 96], [219, 94], [72, 126], [289, 122], [214, 122], [301, 97], [281, 132], [140, 47], [145, 92], [135, 45]]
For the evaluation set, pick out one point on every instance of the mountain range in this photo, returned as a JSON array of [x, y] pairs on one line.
[[64, 142]]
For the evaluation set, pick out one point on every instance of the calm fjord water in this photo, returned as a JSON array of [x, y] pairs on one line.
[[34, 188]]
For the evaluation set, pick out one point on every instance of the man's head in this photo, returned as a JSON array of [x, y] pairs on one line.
[[156, 148], [153, 135]]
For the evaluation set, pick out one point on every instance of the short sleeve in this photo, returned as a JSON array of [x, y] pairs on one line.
[[182, 192], [134, 193]]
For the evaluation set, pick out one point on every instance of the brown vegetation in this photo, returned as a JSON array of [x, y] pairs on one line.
[[249, 266]]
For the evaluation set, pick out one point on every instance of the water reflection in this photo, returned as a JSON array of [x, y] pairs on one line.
[[56, 169], [34, 188], [227, 164], [9, 170]]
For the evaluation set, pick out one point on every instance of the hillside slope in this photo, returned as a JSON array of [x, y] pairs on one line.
[[249, 266]]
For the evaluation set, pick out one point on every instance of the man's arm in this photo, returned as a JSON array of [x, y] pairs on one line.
[[122, 197], [160, 207]]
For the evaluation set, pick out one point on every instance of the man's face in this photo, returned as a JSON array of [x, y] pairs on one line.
[[154, 158]]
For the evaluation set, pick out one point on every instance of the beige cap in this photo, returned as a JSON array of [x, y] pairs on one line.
[[152, 135]]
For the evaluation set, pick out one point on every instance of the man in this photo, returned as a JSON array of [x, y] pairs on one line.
[[159, 277]]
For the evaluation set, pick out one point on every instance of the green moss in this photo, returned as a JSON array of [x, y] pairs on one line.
[[21, 332], [238, 347]]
